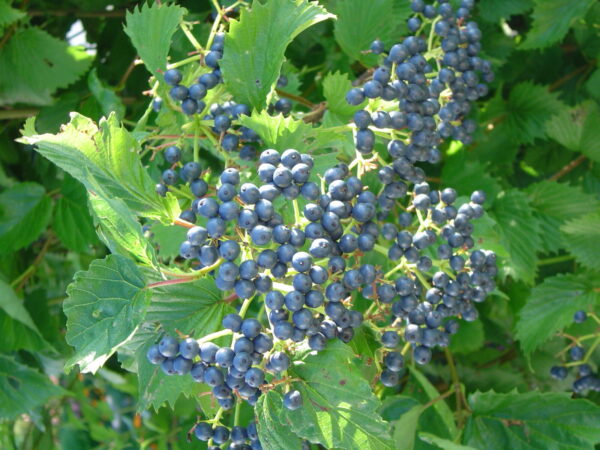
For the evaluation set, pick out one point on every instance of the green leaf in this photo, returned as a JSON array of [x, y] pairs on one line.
[[582, 238], [274, 433], [339, 408], [104, 307], [23, 389], [56, 66], [441, 407], [577, 129], [442, 443], [360, 23], [72, 220], [106, 97], [19, 332], [526, 112], [109, 154], [520, 233], [278, 132], [256, 45], [118, 227], [531, 420], [494, 11], [9, 15], [192, 308], [470, 337], [466, 175], [151, 28], [167, 239], [552, 19], [559, 200], [335, 87], [551, 306], [25, 211], [405, 428]]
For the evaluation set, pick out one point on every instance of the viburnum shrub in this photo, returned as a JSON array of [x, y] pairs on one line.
[[296, 271]]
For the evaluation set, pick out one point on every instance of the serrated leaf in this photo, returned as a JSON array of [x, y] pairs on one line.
[[531, 420], [23, 389], [470, 337], [278, 132], [582, 238], [19, 332], [550, 235], [57, 65], [339, 409], [524, 115], [106, 97], [360, 23], [72, 221], [109, 154], [335, 87], [552, 19], [592, 85], [9, 15], [274, 434], [151, 28], [560, 200], [104, 307], [494, 11], [192, 308], [256, 43], [577, 129], [25, 211], [551, 306], [520, 233]]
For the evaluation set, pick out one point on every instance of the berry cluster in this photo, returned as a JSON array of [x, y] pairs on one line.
[[585, 379], [240, 437], [191, 97], [311, 269]]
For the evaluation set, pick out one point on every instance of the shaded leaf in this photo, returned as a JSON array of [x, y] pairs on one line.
[[8, 14], [335, 87], [72, 220], [582, 238], [577, 129], [106, 97], [552, 19], [57, 65], [23, 389], [531, 420], [25, 211], [551, 306], [494, 11], [520, 233]]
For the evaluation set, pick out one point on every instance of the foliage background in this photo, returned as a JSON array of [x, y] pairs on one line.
[[536, 154]]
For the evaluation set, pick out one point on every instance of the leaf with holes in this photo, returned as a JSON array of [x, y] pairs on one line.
[[109, 153]]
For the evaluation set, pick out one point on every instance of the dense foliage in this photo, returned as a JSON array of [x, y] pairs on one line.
[[261, 224]]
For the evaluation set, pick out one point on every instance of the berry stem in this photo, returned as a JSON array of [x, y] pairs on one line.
[[185, 61], [215, 335], [196, 141], [191, 37]]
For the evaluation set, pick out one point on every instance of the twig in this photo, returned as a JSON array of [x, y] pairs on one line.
[[296, 98], [77, 12], [568, 168]]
